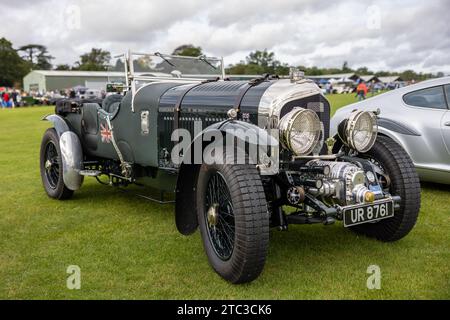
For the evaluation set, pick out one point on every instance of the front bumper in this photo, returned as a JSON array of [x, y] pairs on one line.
[[328, 215]]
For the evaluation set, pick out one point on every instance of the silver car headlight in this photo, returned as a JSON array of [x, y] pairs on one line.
[[359, 131], [300, 131]]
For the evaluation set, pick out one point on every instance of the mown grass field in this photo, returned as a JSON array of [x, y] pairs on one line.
[[129, 248]]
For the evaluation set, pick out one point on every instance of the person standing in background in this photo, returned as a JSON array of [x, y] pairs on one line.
[[372, 88], [14, 95], [361, 91], [19, 98], [328, 87], [7, 100]]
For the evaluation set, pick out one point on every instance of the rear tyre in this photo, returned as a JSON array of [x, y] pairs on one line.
[[404, 182], [51, 167], [233, 219]]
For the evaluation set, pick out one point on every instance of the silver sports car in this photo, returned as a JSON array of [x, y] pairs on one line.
[[418, 118]]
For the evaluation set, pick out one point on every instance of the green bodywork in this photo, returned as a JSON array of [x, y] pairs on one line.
[[126, 127]]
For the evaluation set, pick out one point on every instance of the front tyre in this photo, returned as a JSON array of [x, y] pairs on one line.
[[51, 167], [404, 182], [233, 219]]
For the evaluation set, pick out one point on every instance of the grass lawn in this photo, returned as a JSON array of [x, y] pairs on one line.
[[129, 248]]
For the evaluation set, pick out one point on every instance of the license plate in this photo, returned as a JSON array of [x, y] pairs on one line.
[[360, 214]]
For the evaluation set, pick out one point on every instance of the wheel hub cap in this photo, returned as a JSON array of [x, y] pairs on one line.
[[48, 165], [213, 215]]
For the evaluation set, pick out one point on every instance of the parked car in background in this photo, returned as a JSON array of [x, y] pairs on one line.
[[90, 94], [418, 118], [340, 87], [396, 85], [53, 100], [377, 87]]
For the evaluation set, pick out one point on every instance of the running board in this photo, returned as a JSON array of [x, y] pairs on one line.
[[90, 173]]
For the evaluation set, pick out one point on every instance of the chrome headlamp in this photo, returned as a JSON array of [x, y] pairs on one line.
[[359, 131], [300, 131]]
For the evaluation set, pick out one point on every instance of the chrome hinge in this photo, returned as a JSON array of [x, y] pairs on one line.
[[144, 123]]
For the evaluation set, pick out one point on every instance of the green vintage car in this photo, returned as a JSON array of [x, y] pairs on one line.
[[233, 155]]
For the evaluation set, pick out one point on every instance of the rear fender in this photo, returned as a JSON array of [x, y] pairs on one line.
[[58, 122], [71, 152]]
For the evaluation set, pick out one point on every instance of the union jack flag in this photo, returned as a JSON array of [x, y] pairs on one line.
[[105, 133]]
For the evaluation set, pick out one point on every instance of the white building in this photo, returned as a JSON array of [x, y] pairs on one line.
[[48, 80]]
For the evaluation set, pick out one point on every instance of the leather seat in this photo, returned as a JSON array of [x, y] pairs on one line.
[[111, 104]]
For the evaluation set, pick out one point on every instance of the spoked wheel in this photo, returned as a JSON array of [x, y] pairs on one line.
[[51, 167], [219, 216], [51, 164], [233, 219], [399, 177]]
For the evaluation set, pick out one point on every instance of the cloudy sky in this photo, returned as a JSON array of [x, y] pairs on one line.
[[382, 34]]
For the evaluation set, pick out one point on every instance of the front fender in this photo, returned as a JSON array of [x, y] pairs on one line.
[[265, 144], [186, 206], [71, 152]]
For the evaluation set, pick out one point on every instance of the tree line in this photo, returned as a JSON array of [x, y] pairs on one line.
[[16, 63], [260, 62]]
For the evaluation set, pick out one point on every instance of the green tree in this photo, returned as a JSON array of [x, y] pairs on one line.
[[118, 66], [30, 52], [346, 68], [96, 60], [143, 64], [264, 59], [62, 67], [188, 50], [383, 74], [12, 67], [282, 69], [44, 62], [243, 68], [37, 56], [314, 71], [259, 62], [409, 75], [363, 71]]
